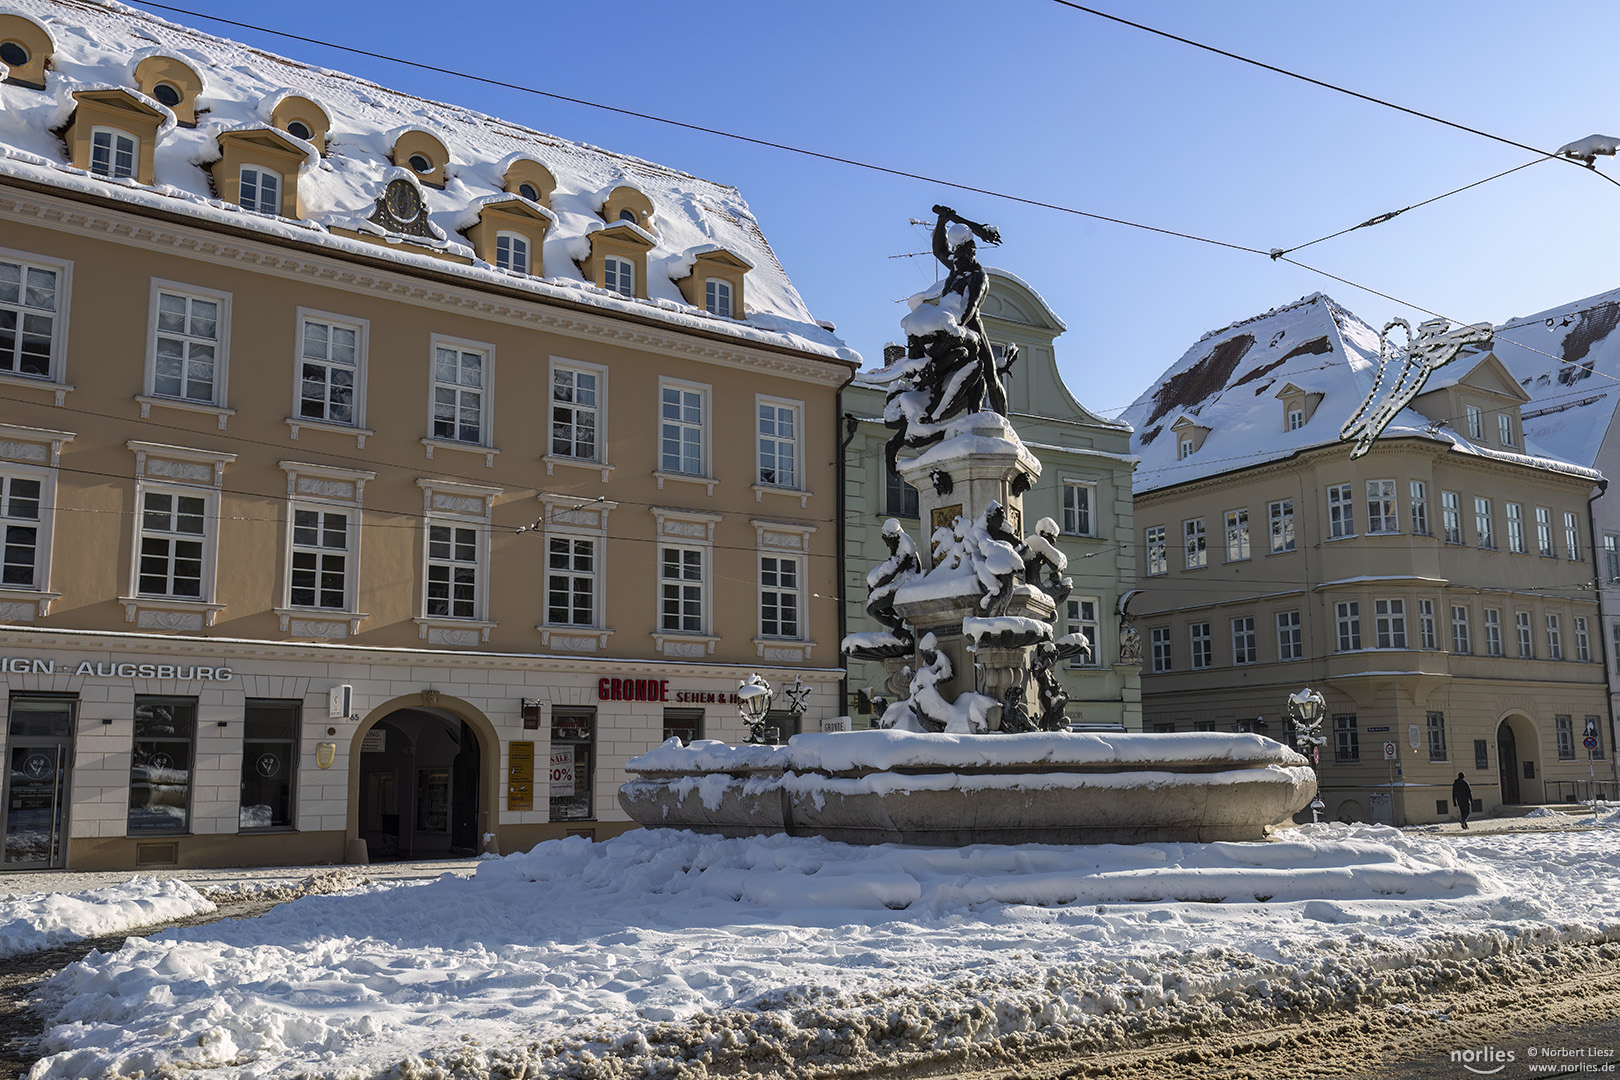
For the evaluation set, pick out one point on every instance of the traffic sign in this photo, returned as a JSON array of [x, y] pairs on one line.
[[1389, 751], [1590, 742]]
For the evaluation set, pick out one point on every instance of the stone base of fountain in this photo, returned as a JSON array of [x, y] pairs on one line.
[[876, 787]]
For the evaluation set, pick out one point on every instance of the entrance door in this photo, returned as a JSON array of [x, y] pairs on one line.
[[39, 760], [1507, 763]]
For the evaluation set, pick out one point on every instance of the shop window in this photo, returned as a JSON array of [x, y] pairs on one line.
[[160, 775], [573, 764], [269, 764], [683, 724]]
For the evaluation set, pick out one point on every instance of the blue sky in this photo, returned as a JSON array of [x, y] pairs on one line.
[[1037, 100]]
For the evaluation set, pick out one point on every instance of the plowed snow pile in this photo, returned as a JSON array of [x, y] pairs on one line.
[[668, 954]]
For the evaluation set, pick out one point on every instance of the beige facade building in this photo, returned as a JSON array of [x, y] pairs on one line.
[[373, 478], [1437, 590], [1084, 487]]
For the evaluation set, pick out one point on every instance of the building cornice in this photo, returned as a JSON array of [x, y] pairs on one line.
[[344, 264], [278, 651]]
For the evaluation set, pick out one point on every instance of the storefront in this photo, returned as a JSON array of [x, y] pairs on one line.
[[139, 750]]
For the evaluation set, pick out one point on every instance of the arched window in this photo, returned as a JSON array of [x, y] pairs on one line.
[[529, 191], [421, 163], [260, 190], [619, 275], [512, 252], [629, 215], [717, 297], [113, 153], [167, 94], [299, 130]]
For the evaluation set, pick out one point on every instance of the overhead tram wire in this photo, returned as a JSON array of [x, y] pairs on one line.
[[1326, 85]]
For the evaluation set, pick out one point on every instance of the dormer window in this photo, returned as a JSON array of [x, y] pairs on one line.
[[512, 252], [1187, 449], [619, 275], [1296, 419], [260, 190], [113, 153], [421, 163], [1476, 422], [167, 94], [1190, 436], [717, 297], [13, 54], [423, 154], [1299, 404], [25, 48], [173, 83], [302, 119], [299, 130], [529, 191], [627, 214], [626, 203], [1504, 427]]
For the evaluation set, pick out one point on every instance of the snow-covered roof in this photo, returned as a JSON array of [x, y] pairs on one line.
[[1228, 383], [97, 45], [1567, 359]]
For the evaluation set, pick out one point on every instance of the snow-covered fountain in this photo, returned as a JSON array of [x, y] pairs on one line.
[[978, 748]]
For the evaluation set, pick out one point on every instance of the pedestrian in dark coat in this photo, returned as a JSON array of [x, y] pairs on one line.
[[1463, 796]]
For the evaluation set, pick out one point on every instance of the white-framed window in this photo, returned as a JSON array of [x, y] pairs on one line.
[[1572, 535], [461, 400], [113, 153], [619, 275], [1611, 556], [682, 585], [683, 428], [175, 547], [717, 297], [1418, 498], [572, 577], [578, 404], [454, 584], [1347, 615], [1237, 535], [780, 596], [321, 568], [33, 303], [1197, 550], [1158, 551], [1290, 642], [1427, 637], [1203, 653], [1389, 621], [1281, 514], [1493, 632], [189, 344], [259, 190], [778, 442], [1504, 428], [1244, 650], [1077, 506], [1082, 616], [1544, 535], [1159, 643], [1483, 527], [1341, 511], [1185, 451], [1555, 638], [331, 368], [1583, 640], [512, 252], [1521, 625], [1383, 515], [1515, 525], [1296, 419], [1451, 517], [1461, 642], [1476, 422], [25, 522]]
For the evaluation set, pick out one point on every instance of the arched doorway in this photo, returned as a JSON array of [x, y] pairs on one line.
[[420, 787], [1518, 761]]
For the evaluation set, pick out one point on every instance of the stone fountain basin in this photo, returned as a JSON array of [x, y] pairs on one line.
[[881, 787]]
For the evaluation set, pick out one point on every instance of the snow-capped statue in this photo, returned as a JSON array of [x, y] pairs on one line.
[[927, 709], [895, 639], [985, 550], [951, 368], [1041, 550]]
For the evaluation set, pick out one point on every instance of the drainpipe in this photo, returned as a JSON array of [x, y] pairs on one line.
[[846, 426], [1603, 631]]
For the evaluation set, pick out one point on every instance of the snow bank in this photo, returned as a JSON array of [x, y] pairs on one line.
[[46, 920]]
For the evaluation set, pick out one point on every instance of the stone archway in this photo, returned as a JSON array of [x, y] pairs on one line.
[[423, 778], [1519, 760]]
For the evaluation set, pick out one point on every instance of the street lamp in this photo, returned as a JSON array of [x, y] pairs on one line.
[[754, 703], [1305, 709]]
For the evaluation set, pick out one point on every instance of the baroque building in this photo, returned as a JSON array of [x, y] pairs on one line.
[[372, 469], [1084, 488], [1436, 590]]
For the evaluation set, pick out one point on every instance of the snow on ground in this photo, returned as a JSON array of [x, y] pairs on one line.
[[663, 953], [29, 923]]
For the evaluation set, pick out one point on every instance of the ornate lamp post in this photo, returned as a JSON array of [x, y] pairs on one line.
[[1305, 709], [754, 697]]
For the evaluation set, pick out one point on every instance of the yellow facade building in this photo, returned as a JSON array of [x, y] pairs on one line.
[[371, 469]]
